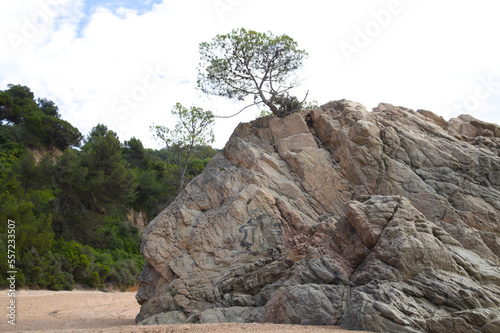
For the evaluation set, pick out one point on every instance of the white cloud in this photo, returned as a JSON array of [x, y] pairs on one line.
[[425, 55]]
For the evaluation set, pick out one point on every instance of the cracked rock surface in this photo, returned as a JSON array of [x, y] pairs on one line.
[[382, 221]]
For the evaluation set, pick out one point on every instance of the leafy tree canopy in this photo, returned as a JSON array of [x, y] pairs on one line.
[[35, 123], [109, 181], [135, 153], [194, 128], [48, 107], [246, 62]]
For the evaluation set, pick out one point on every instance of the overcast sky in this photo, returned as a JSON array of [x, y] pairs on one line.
[[125, 63]]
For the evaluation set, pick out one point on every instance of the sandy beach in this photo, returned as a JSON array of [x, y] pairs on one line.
[[94, 311]]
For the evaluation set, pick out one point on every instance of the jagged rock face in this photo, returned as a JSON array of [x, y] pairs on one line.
[[383, 221]]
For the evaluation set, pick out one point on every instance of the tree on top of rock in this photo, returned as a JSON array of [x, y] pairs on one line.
[[246, 62]]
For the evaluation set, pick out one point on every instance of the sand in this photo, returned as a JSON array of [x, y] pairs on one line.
[[94, 311]]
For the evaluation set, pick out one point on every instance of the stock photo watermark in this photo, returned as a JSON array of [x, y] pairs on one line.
[[222, 7], [364, 35], [486, 87], [34, 24], [153, 78], [12, 271]]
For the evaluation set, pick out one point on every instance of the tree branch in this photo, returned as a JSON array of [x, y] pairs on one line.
[[237, 113]]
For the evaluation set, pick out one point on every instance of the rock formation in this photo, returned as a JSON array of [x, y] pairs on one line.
[[382, 221]]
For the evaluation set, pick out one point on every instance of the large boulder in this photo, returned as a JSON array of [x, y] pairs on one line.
[[383, 221]]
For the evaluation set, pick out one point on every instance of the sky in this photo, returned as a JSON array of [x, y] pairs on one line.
[[126, 63]]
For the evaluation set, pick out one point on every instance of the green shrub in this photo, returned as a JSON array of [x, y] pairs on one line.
[[45, 271], [94, 280]]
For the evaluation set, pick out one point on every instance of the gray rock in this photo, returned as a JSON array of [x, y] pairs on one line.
[[383, 221], [308, 304], [172, 317], [233, 314]]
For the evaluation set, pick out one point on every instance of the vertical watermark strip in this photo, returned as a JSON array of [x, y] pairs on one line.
[[11, 264]]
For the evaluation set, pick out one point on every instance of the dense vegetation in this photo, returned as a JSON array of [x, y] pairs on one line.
[[70, 204]]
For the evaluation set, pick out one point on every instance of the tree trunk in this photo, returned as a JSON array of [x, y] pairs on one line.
[[181, 181], [270, 104]]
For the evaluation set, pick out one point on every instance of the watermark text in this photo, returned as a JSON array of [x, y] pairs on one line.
[[486, 87], [363, 36], [138, 93], [48, 10], [11, 264]]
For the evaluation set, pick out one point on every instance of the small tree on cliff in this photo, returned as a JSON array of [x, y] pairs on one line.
[[193, 128], [246, 62]]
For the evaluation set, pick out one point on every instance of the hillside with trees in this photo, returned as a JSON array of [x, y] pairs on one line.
[[70, 195]]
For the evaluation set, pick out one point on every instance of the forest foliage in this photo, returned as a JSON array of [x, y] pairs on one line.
[[70, 194]]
